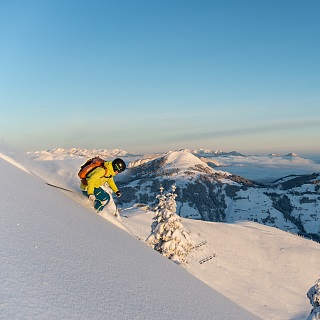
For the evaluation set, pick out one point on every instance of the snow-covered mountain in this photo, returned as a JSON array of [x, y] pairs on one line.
[[60, 260], [290, 204], [291, 154]]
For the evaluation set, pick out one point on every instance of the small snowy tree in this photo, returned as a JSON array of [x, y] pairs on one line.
[[314, 297], [168, 235]]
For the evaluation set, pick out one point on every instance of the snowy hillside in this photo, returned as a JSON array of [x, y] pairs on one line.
[[265, 270], [290, 204], [74, 255], [60, 260]]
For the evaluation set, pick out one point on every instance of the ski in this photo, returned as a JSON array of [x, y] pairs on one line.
[[52, 185], [116, 213]]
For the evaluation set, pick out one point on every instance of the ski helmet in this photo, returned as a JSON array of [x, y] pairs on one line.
[[118, 165]]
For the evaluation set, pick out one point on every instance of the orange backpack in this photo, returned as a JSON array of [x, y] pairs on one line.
[[88, 167]]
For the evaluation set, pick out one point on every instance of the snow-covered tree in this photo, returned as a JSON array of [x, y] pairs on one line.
[[314, 297], [168, 236]]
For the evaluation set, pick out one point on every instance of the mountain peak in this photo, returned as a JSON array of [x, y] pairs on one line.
[[291, 154], [183, 159]]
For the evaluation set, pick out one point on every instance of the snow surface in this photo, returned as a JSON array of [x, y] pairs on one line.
[[60, 260], [263, 269]]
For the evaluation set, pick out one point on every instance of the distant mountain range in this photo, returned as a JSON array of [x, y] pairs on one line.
[[88, 153], [83, 152], [212, 153], [292, 154]]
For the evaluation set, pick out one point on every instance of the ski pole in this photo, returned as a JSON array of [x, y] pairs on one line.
[[52, 185]]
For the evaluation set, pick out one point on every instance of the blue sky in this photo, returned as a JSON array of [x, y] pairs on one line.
[[150, 76]]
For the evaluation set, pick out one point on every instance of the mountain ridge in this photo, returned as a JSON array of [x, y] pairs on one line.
[[215, 195]]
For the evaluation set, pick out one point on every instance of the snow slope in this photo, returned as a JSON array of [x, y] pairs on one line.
[[59, 260], [263, 269], [266, 270]]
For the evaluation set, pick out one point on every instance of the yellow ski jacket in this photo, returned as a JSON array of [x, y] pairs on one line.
[[98, 177]]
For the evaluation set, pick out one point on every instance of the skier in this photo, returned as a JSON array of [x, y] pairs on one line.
[[91, 185]]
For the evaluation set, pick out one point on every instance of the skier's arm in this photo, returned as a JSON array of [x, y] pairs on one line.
[[112, 185]]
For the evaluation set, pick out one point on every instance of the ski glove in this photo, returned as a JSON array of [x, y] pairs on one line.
[[92, 197], [118, 194]]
